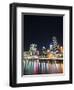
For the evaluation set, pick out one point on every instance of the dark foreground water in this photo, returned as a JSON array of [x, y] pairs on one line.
[[35, 67]]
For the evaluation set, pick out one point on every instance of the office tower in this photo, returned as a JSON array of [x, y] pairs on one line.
[[54, 43], [33, 49]]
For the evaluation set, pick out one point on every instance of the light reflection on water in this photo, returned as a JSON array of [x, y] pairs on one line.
[[32, 66]]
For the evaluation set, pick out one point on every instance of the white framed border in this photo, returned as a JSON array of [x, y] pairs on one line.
[[43, 78]]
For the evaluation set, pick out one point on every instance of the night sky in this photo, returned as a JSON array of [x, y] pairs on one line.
[[41, 29]]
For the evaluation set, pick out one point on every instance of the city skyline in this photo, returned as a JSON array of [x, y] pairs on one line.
[[40, 29], [43, 45]]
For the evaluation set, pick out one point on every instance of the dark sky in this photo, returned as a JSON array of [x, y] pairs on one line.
[[41, 29]]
